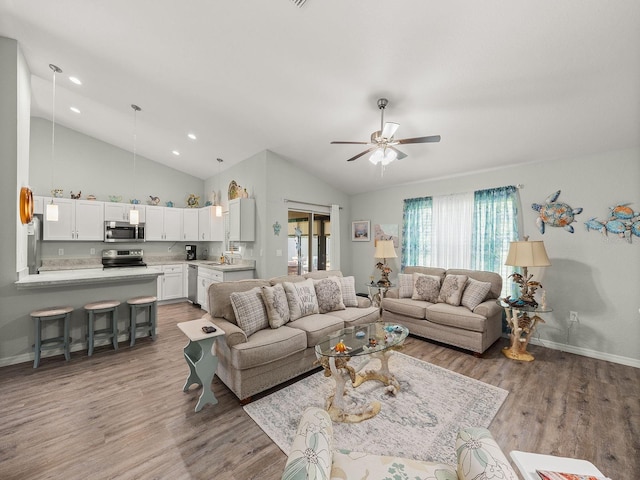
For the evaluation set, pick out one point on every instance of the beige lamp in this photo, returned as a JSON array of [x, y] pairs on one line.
[[384, 250], [526, 254]]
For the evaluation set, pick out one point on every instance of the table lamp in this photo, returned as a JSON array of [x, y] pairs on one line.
[[526, 254], [384, 250]]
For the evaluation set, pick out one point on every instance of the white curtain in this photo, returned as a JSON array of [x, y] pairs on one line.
[[335, 237], [452, 224]]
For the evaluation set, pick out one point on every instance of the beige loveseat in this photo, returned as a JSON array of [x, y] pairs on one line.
[[473, 322], [312, 455], [254, 362]]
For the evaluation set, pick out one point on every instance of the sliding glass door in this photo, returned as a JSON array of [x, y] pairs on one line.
[[309, 242]]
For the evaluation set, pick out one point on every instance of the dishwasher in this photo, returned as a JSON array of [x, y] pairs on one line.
[[192, 285]]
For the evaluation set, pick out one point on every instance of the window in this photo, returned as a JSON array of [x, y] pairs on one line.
[[461, 231]]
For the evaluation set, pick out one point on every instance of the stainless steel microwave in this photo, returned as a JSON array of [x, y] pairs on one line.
[[123, 232]]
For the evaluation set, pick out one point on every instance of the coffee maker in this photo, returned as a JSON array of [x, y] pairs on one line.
[[191, 252]]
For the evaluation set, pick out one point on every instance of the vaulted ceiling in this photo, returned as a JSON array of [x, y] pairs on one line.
[[503, 82]]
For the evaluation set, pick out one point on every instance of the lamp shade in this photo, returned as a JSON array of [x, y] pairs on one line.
[[527, 254], [384, 249]]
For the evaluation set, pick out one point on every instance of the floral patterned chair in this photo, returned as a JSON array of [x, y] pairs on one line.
[[312, 456]]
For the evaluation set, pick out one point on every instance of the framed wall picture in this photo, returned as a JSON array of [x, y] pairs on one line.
[[361, 231]]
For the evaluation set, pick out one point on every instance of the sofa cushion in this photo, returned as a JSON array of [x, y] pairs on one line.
[[474, 293], [405, 285], [301, 297], [250, 311], [317, 274], [348, 285], [438, 272], [482, 276], [357, 315], [220, 299], [452, 288], [425, 287], [275, 301], [361, 466], [479, 456], [317, 326], [329, 294], [459, 317], [266, 346], [406, 307]]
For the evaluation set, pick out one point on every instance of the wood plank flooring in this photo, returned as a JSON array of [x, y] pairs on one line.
[[123, 415]]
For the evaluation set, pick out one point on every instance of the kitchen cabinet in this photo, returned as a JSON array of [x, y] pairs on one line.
[[119, 212], [77, 220], [190, 222], [242, 220], [210, 227], [207, 276], [171, 284], [163, 223]]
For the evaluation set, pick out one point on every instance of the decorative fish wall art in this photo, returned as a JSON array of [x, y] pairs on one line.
[[623, 222], [555, 214]]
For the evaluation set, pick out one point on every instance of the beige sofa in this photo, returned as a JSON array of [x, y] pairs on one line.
[[473, 329], [312, 455], [250, 364]]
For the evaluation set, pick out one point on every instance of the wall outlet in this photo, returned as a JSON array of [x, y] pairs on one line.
[[573, 317], [92, 251], [61, 251]]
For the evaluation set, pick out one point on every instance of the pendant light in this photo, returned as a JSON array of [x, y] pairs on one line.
[[134, 215], [218, 208], [52, 209]]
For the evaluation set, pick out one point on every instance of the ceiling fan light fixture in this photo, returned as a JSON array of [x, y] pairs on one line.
[[384, 156]]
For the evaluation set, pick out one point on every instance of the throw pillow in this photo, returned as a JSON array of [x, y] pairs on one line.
[[405, 285], [348, 285], [425, 287], [474, 293], [250, 310], [275, 301], [452, 288], [329, 294], [301, 297]]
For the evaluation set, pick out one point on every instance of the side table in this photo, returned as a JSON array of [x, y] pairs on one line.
[[200, 358], [376, 298], [522, 326], [528, 463]]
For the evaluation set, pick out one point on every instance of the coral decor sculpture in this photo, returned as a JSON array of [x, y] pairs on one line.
[[555, 214]]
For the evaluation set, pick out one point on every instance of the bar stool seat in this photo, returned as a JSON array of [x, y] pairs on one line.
[[150, 305], [46, 315], [110, 308]]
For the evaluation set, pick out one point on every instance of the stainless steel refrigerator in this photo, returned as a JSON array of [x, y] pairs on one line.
[[34, 244]]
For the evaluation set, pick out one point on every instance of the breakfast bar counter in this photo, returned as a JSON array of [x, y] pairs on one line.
[[88, 276]]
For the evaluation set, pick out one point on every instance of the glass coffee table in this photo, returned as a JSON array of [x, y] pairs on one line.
[[372, 340]]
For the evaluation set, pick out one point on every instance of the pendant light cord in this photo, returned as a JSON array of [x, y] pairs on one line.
[[53, 123]]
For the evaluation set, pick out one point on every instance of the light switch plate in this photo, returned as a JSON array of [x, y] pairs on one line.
[[278, 253]]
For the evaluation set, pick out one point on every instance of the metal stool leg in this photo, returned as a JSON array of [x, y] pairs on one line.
[[90, 327], [153, 313], [132, 328], [67, 343], [38, 342], [114, 327]]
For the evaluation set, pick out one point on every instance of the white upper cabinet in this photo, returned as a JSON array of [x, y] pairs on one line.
[[77, 220], [242, 220], [119, 212], [210, 227], [190, 224], [163, 223]]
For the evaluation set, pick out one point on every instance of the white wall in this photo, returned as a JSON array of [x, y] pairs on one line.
[[595, 276]]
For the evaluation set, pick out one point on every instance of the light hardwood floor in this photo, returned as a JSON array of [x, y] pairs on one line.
[[123, 414]]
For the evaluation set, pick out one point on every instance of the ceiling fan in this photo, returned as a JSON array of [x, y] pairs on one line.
[[384, 145]]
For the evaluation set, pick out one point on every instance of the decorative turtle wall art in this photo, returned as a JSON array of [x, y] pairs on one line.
[[623, 222], [555, 214]]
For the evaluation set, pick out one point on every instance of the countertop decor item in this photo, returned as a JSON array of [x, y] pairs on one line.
[[193, 201], [555, 214], [154, 200], [115, 198], [91, 197], [526, 254], [169, 203], [26, 205], [234, 190], [75, 196], [57, 193], [134, 201]]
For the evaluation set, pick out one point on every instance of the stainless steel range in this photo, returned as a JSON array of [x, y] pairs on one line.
[[122, 258]]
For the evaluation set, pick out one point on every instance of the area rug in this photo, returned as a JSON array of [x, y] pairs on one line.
[[420, 422]]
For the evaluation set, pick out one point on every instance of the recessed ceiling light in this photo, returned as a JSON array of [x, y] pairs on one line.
[[192, 136], [175, 152], [74, 109], [75, 80]]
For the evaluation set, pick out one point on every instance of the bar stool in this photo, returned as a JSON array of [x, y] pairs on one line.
[[46, 315], [110, 308], [149, 303]]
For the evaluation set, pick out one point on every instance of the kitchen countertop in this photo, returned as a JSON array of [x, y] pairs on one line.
[[88, 276]]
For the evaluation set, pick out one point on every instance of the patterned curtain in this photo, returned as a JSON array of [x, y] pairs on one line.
[[416, 231], [495, 226]]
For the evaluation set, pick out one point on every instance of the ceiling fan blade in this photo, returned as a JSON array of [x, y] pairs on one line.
[[431, 139], [361, 154], [351, 143], [389, 129], [400, 155]]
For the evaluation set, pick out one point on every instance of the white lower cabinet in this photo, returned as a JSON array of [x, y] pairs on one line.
[[207, 276], [171, 284]]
